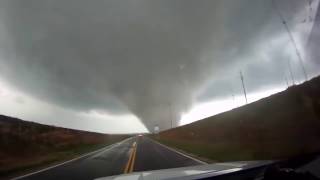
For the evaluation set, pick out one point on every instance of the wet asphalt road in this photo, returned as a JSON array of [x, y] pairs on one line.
[[115, 159]]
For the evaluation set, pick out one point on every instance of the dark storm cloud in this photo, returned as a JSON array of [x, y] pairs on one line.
[[261, 44], [145, 57]]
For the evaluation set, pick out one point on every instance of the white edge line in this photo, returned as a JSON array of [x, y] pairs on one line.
[[197, 160], [88, 154]]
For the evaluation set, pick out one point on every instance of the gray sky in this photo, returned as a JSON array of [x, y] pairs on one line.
[[117, 66]]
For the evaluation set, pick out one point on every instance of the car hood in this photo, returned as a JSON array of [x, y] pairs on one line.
[[192, 172]]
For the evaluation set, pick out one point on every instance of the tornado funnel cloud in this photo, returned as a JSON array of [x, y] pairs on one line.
[[147, 58]]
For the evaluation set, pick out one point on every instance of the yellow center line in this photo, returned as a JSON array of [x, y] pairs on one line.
[[133, 158], [130, 163]]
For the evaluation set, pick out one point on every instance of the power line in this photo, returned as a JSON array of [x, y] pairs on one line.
[[291, 39]]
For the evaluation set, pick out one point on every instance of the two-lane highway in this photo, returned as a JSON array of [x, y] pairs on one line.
[[152, 156], [131, 155]]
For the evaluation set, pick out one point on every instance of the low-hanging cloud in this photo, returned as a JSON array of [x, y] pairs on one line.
[[149, 58]]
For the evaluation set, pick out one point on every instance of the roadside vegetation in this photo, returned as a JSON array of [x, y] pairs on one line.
[[26, 146]]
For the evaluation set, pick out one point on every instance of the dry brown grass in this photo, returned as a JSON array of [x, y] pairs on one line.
[[25, 145], [283, 125]]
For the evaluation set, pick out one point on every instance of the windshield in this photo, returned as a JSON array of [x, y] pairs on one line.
[[91, 89]]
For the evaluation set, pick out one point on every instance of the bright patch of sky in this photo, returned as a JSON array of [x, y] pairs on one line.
[[204, 110], [17, 104]]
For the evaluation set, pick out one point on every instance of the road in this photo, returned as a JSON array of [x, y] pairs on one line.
[[131, 155]]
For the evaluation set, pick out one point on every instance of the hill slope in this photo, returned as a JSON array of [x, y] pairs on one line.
[[27, 144], [282, 125]]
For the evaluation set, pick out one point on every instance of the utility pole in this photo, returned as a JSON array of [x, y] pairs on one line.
[[243, 86], [290, 71], [232, 95], [286, 79], [171, 115]]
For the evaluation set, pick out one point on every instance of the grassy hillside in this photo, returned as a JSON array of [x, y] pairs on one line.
[[282, 125], [24, 145]]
